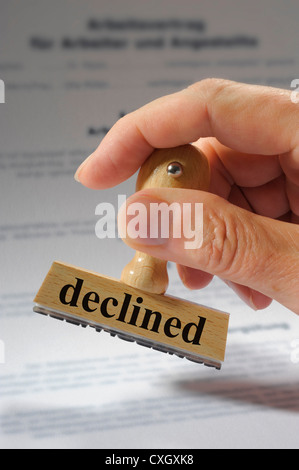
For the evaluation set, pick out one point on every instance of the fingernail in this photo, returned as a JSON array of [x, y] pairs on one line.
[[138, 222], [77, 174]]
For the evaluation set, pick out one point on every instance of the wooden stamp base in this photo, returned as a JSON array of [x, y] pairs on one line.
[[159, 321]]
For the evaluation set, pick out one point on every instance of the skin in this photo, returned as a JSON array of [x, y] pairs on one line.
[[250, 134]]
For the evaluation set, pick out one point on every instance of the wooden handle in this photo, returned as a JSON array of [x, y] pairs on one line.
[[179, 167]]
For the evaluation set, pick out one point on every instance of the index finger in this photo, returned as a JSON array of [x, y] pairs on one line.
[[248, 118]]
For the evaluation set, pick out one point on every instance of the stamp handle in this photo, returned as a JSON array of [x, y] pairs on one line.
[[180, 167]]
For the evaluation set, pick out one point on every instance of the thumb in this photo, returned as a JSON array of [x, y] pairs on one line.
[[224, 240]]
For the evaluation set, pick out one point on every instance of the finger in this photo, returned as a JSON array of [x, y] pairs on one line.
[[237, 245], [251, 297], [247, 170], [237, 197], [194, 278], [292, 191], [197, 279], [295, 219], [269, 199], [290, 163], [247, 118]]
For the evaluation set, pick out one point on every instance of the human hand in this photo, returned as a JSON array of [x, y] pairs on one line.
[[250, 134]]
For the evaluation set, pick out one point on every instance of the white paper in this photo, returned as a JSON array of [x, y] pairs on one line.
[[63, 386]]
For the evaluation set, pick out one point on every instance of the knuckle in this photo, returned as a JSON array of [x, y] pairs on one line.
[[208, 85], [225, 247]]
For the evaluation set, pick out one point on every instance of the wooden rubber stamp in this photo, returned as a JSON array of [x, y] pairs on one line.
[[136, 308]]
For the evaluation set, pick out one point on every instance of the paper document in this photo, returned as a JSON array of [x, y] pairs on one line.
[[70, 70]]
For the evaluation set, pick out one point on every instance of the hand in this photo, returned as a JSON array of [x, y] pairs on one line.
[[250, 134]]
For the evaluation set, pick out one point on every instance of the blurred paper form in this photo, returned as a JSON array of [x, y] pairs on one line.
[[70, 70]]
